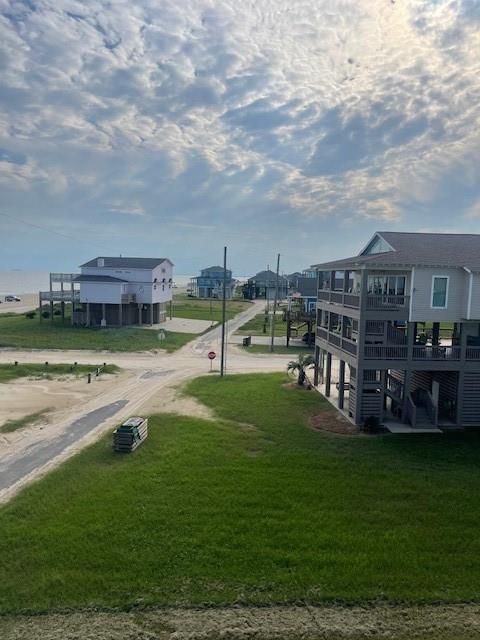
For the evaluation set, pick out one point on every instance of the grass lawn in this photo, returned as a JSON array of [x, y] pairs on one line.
[[200, 309], [260, 511], [254, 327], [264, 348], [17, 331], [11, 372]]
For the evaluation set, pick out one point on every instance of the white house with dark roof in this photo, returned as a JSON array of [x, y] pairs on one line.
[[111, 291], [398, 330]]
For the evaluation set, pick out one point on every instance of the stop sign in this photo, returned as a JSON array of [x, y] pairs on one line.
[[212, 355]]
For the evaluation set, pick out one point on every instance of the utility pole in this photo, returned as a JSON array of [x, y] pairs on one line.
[[224, 310], [275, 304]]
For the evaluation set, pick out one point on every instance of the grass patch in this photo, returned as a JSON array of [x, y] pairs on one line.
[[260, 511], [265, 348], [14, 425], [201, 309], [10, 372], [17, 331], [254, 327]]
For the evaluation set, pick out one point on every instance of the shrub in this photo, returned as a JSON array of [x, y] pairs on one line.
[[371, 424], [57, 312], [30, 315], [45, 314]]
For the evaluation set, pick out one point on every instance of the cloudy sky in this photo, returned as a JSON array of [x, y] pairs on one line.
[[172, 127]]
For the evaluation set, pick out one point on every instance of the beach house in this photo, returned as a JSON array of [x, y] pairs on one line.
[[398, 331], [210, 283], [114, 291]]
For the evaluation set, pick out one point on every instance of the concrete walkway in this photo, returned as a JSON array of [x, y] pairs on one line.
[[185, 325]]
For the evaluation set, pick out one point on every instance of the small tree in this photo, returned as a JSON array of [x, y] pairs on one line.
[[301, 365]]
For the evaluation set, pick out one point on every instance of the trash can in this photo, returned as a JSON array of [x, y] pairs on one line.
[[247, 341]]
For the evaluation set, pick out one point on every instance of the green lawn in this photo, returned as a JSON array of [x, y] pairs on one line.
[[254, 327], [201, 309], [264, 348], [20, 332], [11, 372], [262, 511]]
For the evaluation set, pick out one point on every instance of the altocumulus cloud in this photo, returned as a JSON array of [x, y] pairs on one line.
[[197, 114]]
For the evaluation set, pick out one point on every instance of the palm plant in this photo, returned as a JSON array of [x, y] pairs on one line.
[[302, 363]]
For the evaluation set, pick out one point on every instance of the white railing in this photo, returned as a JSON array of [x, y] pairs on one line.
[[338, 297], [60, 296]]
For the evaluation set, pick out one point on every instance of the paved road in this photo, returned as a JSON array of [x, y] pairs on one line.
[[148, 374]]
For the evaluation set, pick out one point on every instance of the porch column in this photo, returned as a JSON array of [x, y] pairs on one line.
[[328, 375], [341, 384], [140, 314], [88, 314], [406, 393], [151, 314], [104, 319], [435, 334], [63, 312], [316, 366], [40, 306], [346, 280], [120, 314], [51, 299]]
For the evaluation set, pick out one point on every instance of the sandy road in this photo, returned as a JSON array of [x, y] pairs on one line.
[[33, 454]]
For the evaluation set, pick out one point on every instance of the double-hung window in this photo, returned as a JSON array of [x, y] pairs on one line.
[[439, 292]]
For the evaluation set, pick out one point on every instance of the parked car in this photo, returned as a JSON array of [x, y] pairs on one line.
[[12, 299], [309, 337]]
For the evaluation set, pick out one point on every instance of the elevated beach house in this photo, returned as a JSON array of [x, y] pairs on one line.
[[263, 284], [111, 291], [398, 331], [210, 282]]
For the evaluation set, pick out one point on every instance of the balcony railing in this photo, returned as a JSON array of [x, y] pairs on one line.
[[380, 302], [436, 353], [382, 352], [59, 296], [473, 353], [387, 302], [339, 297], [344, 344], [395, 386]]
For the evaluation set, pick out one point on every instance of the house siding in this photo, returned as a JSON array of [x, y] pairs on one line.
[[475, 304], [421, 310]]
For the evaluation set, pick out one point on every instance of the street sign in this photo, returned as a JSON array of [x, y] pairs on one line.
[[212, 355]]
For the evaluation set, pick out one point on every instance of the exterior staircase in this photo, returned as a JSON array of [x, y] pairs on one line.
[[422, 412]]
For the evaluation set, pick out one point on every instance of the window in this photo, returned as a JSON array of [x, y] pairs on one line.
[[439, 292], [387, 285]]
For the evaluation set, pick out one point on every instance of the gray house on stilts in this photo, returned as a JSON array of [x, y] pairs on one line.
[[398, 331]]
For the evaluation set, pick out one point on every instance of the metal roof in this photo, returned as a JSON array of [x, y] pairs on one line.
[[126, 263], [86, 278], [267, 276], [418, 249]]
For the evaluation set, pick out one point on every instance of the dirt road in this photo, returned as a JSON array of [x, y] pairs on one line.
[[30, 454]]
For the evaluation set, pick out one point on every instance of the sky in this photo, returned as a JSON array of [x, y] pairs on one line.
[[175, 127]]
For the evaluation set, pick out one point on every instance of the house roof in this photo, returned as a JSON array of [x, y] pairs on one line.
[[417, 249], [217, 268], [86, 278], [267, 275], [126, 263]]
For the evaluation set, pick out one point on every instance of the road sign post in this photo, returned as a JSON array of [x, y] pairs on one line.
[[211, 356]]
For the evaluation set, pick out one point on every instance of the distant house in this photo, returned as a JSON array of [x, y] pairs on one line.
[[263, 285], [304, 292], [209, 284], [111, 291]]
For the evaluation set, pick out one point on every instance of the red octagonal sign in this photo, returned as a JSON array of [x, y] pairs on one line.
[[212, 355]]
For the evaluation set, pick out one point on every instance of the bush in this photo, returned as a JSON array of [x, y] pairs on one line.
[[30, 315], [371, 424], [45, 314], [57, 312]]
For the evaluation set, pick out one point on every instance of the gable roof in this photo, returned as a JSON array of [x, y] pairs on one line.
[[268, 275], [418, 249], [86, 278], [126, 263], [217, 268]]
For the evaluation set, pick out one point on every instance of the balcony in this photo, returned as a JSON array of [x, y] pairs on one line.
[[339, 297], [335, 339], [387, 302], [423, 353], [374, 302]]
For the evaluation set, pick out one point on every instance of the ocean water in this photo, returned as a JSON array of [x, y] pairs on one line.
[[22, 282]]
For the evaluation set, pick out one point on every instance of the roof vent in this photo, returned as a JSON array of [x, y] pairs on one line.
[[100, 262]]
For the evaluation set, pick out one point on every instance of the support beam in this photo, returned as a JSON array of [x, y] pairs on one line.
[[151, 314], [341, 384], [88, 315], [316, 366], [120, 314], [328, 375], [435, 334], [40, 306], [104, 316], [140, 314]]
